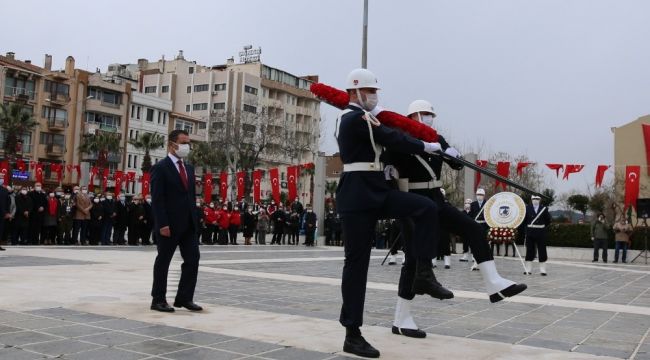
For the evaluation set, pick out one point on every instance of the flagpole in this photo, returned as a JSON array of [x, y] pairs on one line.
[[364, 40]]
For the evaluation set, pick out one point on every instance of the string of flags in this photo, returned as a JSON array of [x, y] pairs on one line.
[[632, 175]]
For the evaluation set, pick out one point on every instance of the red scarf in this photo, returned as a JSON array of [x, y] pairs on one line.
[[53, 205]]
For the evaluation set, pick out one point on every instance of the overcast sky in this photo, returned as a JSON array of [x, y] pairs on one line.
[[544, 78]]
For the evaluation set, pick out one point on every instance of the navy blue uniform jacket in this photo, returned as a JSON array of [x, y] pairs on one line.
[[544, 219], [172, 204], [365, 190]]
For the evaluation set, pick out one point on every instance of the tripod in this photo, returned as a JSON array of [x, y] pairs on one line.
[[645, 240]]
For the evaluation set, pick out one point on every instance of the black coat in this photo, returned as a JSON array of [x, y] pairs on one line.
[[366, 190], [121, 214], [96, 213], [249, 223], [23, 203], [109, 209], [135, 212], [39, 199]]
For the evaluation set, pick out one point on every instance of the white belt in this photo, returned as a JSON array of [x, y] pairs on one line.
[[537, 226], [362, 166], [425, 185]]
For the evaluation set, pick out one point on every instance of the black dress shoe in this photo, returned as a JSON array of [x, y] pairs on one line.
[[447, 267], [188, 305], [357, 345], [417, 333], [2, 249], [162, 307], [510, 291]]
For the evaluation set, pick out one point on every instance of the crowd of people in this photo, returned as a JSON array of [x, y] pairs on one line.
[[38, 216]]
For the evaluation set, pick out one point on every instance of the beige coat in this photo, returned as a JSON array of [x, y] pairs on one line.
[[83, 204], [622, 232]]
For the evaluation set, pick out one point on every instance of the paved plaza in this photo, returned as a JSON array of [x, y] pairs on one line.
[[282, 302]]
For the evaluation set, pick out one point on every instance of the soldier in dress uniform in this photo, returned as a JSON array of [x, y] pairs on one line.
[[422, 173], [476, 212], [364, 197], [467, 210], [537, 219]]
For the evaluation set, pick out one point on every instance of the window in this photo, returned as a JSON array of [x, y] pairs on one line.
[[138, 113], [187, 108], [149, 114], [48, 138], [159, 116], [131, 135], [219, 87], [56, 88], [111, 98], [201, 106], [164, 119], [189, 89], [165, 88], [185, 125], [250, 89], [132, 111], [191, 70], [219, 106], [264, 94], [150, 89], [107, 122], [54, 114], [250, 108], [128, 161], [202, 87], [135, 161], [202, 125], [20, 87]]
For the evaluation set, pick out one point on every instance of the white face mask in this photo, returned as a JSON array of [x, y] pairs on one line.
[[371, 100], [109, 198], [24, 192], [427, 120], [96, 201], [38, 188], [183, 150], [479, 198], [122, 198], [84, 191], [535, 203], [51, 195], [198, 204]]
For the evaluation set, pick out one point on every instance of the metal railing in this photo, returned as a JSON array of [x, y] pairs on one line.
[[57, 122], [18, 92]]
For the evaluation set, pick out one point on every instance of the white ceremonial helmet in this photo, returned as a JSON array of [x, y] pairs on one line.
[[420, 106], [535, 197], [480, 191], [360, 79]]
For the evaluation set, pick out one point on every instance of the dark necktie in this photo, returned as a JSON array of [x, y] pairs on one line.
[[181, 170]]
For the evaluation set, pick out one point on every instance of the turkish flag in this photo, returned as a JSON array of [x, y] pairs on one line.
[[104, 180], [20, 164], [241, 182], [600, 174], [570, 169], [32, 165], [477, 181], [503, 169], [292, 178], [39, 172], [58, 169], [520, 167], [646, 139], [275, 184], [207, 188], [632, 178], [257, 180], [69, 168], [223, 185], [130, 178], [118, 176], [4, 170], [93, 172], [145, 179], [556, 167]]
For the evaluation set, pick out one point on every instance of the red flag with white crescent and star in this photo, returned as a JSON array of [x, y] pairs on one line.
[[207, 188], [556, 167], [521, 165], [600, 174], [632, 178], [4, 169], [223, 185], [571, 169], [118, 176], [503, 169], [275, 184], [291, 182], [38, 169], [241, 182], [105, 179], [145, 179], [477, 181], [20, 164], [257, 180], [91, 184]]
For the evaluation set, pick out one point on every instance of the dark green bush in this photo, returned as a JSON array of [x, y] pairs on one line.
[[579, 235]]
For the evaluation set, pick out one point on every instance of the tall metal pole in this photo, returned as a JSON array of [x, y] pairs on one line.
[[364, 49]]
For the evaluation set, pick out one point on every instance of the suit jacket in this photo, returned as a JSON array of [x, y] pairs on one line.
[[475, 209], [173, 205], [544, 220]]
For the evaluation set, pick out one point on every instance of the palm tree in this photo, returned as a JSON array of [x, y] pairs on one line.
[[14, 122], [148, 142], [102, 143]]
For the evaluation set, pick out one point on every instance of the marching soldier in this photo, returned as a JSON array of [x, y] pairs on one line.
[[364, 197], [537, 219], [422, 172]]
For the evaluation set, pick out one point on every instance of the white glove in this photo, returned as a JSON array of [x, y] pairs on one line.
[[452, 152], [431, 148], [390, 172], [376, 110]]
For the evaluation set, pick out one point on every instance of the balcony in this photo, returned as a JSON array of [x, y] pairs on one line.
[[20, 93], [55, 150], [57, 124], [58, 98]]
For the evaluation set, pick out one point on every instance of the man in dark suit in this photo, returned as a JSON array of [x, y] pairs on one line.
[[175, 223], [4, 207]]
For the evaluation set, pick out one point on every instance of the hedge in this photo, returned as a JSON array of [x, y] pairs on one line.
[[579, 235]]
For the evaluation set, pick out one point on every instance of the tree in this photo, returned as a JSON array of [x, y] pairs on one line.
[[330, 188], [102, 143], [579, 203], [147, 142], [14, 122]]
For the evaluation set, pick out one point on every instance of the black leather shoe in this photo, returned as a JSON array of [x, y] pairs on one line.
[[510, 291], [162, 307], [425, 282], [188, 305], [2, 249], [357, 345], [417, 333]]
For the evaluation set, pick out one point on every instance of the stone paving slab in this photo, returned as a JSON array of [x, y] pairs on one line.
[[14, 261]]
